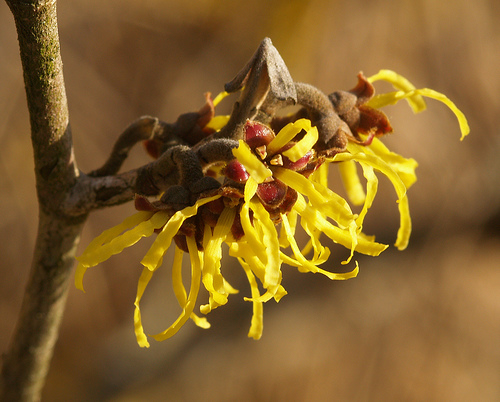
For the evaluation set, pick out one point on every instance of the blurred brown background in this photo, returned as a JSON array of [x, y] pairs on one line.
[[423, 324]]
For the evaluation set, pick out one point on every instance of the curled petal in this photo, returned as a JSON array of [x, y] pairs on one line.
[[217, 122], [242, 250], [257, 323], [196, 258], [462, 121], [305, 265], [399, 82], [341, 236], [405, 224], [352, 184], [299, 149], [104, 246], [252, 164], [164, 238], [396, 179], [220, 97], [378, 164], [371, 191], [288, 133], [144, 279], [404, 167], [270, 241], [180, 290], [392, 98], [322, 198], [212, 277], [321, 253]]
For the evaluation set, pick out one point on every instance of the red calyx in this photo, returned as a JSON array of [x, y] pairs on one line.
[[257, 134]]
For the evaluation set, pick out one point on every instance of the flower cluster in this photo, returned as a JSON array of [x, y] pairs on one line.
[[276, 185]]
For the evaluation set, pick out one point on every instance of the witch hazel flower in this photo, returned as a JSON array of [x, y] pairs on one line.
[[275, 187]]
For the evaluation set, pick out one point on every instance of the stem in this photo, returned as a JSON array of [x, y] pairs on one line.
[[27, 361]]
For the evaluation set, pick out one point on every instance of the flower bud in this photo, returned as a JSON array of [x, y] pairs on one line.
[[300, 164], [257, 134], [272, 193], [235, 171]]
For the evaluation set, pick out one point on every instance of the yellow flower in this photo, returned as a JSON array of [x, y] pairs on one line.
[[275, 186]]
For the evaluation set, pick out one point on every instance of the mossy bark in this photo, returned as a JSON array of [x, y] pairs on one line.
[[26, 363]]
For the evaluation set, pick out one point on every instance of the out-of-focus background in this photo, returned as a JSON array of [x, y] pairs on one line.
[[423, 324]]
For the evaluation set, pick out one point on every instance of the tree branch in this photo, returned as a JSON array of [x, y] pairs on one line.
[[26, 362]]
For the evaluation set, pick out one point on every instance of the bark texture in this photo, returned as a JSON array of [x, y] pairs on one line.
[[26, 363]]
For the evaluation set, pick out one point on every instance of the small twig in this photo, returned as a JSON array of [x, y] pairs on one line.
[[142, 129]]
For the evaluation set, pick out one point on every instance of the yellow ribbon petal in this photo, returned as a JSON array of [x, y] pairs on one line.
[[253, 165], [405, 224], [288, 133], [243, 251], [270, 241], [164, 238], [257, 323], [303, 146], [142, 284], [212, 278], [217, 122], [113, 241], [196, 258], [220, 97], [371, 191], [351, 182], [144, 279], [399, 82], [96, 253], [322, 198], [336, 234]]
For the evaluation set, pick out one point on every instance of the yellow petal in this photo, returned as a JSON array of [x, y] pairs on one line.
[[371, 191], [217, 122], [272, 276], [201, 322], [243, 251], [212, 278], [392, 98], [308, 266], [288, 133], [251, 235], [142, 284], [404, 167], [338, 235], [113, 241], [79, 274], [322, 198], [180, 290], [257, 323], [352, 184], [255, 168], [292, 219], [220, 97], [405, 224], [111, 233], [177, 284], [164, 238], [97, 253], [399, 82], [399, 186], [196, 268], [378, 164], [462, 121], [321, 175], [303, 146], [321, 253]]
